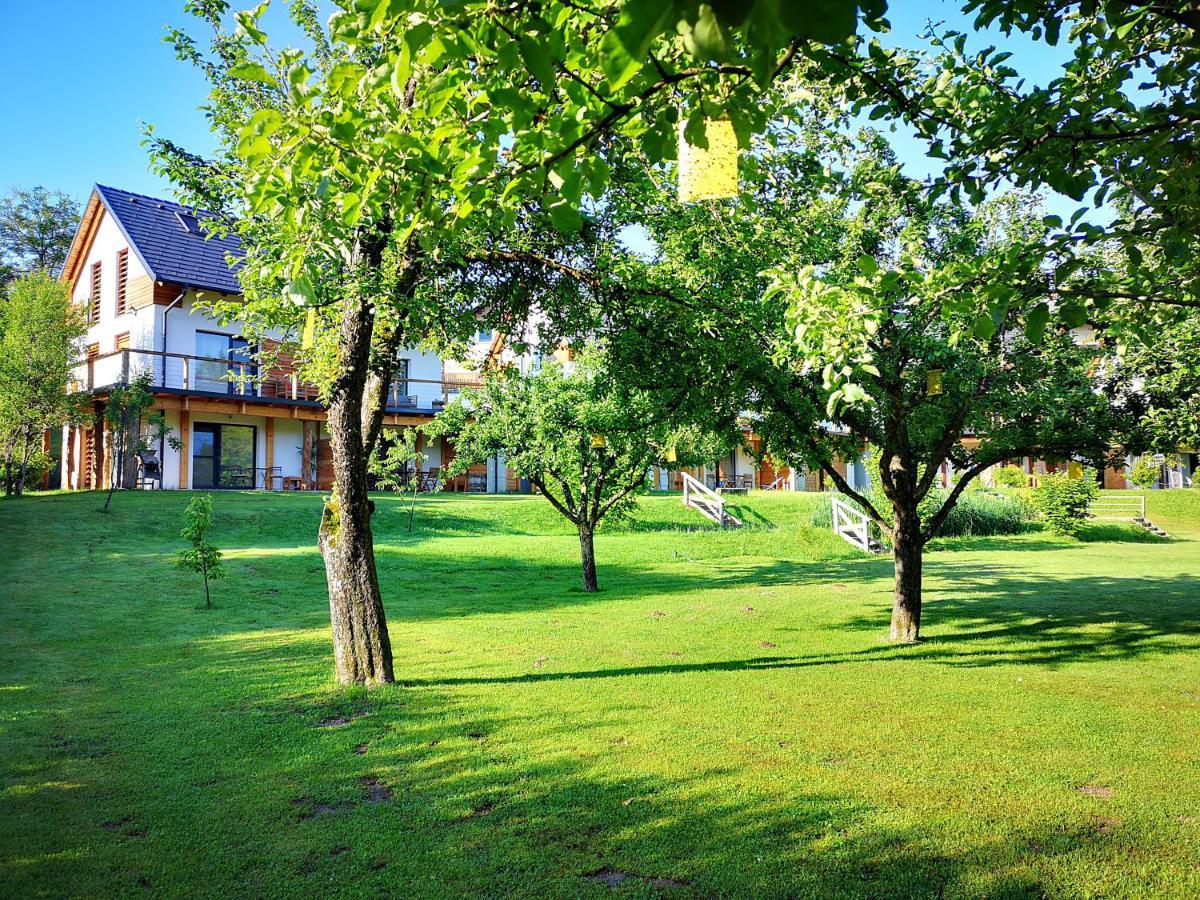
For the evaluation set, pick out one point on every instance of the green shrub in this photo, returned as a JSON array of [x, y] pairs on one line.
[[977, 513], [40, 463], [1024, 496], [982, 513], [1009, 477], [1145, 472], [822, 513], [1063, 501]]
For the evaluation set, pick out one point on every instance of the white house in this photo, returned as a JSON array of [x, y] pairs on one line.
[[139, 265]]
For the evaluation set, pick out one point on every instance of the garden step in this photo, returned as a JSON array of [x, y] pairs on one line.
[[1151, 527]]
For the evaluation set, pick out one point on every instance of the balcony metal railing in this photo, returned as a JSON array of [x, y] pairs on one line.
[[245, 378]]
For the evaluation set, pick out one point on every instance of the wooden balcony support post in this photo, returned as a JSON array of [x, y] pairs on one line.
[[185, 447], [269, 456]]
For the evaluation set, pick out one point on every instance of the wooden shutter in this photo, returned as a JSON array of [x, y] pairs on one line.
[[122, 279], [89, 459], [93, 350], [123, 340], [94, 314]]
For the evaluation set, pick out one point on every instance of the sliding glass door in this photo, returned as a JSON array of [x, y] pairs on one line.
[[223, 456]]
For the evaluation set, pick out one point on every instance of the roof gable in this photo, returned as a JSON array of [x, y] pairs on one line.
[[164, 236]]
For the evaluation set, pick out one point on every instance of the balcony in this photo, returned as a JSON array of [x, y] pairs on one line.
[[246, 380]]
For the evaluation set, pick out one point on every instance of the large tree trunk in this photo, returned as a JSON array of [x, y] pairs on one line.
[[361, 646], [906, 605], [24, 470], [7, 463], [306, 448], [587, 553]]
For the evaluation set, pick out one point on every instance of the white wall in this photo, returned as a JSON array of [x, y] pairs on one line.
[[433, 453], [289, 435], [139, 323], [428, 368]]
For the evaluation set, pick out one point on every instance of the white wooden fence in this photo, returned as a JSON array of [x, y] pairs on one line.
[[707, 502], [1125, 507], [853, 526]]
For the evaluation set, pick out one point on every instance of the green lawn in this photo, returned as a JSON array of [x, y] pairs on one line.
[[725, 717]]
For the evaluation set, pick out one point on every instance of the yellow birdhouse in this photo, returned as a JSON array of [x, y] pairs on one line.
[[709, 173], [933, 382], [598, 442]]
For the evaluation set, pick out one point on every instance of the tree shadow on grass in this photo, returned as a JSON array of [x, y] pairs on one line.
[[977, 613], [478, 800], [992, 614], [974, 616], [749, 516]]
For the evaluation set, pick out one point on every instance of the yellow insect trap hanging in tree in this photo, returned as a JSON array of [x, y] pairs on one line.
[[933, 382], [709, 173], [310, 329], [598, 442], [671, 455]]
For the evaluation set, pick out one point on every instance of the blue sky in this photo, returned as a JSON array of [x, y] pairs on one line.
[[74, 89]]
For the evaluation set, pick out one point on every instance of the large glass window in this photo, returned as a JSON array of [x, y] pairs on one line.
[[225, 359]]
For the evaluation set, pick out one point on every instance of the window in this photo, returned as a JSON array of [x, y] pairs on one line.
[[93, 351], [123, 340], [122, 279], [189, 222], [94, 313], [224, 361], [484, 335], [400, 384]]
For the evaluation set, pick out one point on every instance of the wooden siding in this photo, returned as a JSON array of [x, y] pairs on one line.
[[140, 292], [165, 292], [82, 243], [277, 379]]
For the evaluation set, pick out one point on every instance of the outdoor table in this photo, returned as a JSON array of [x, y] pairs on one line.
[[266, 476]]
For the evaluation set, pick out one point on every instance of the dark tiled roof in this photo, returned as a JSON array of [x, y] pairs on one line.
[[169, 251]]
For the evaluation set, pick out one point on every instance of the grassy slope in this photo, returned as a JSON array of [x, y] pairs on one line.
[[725, 713]]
